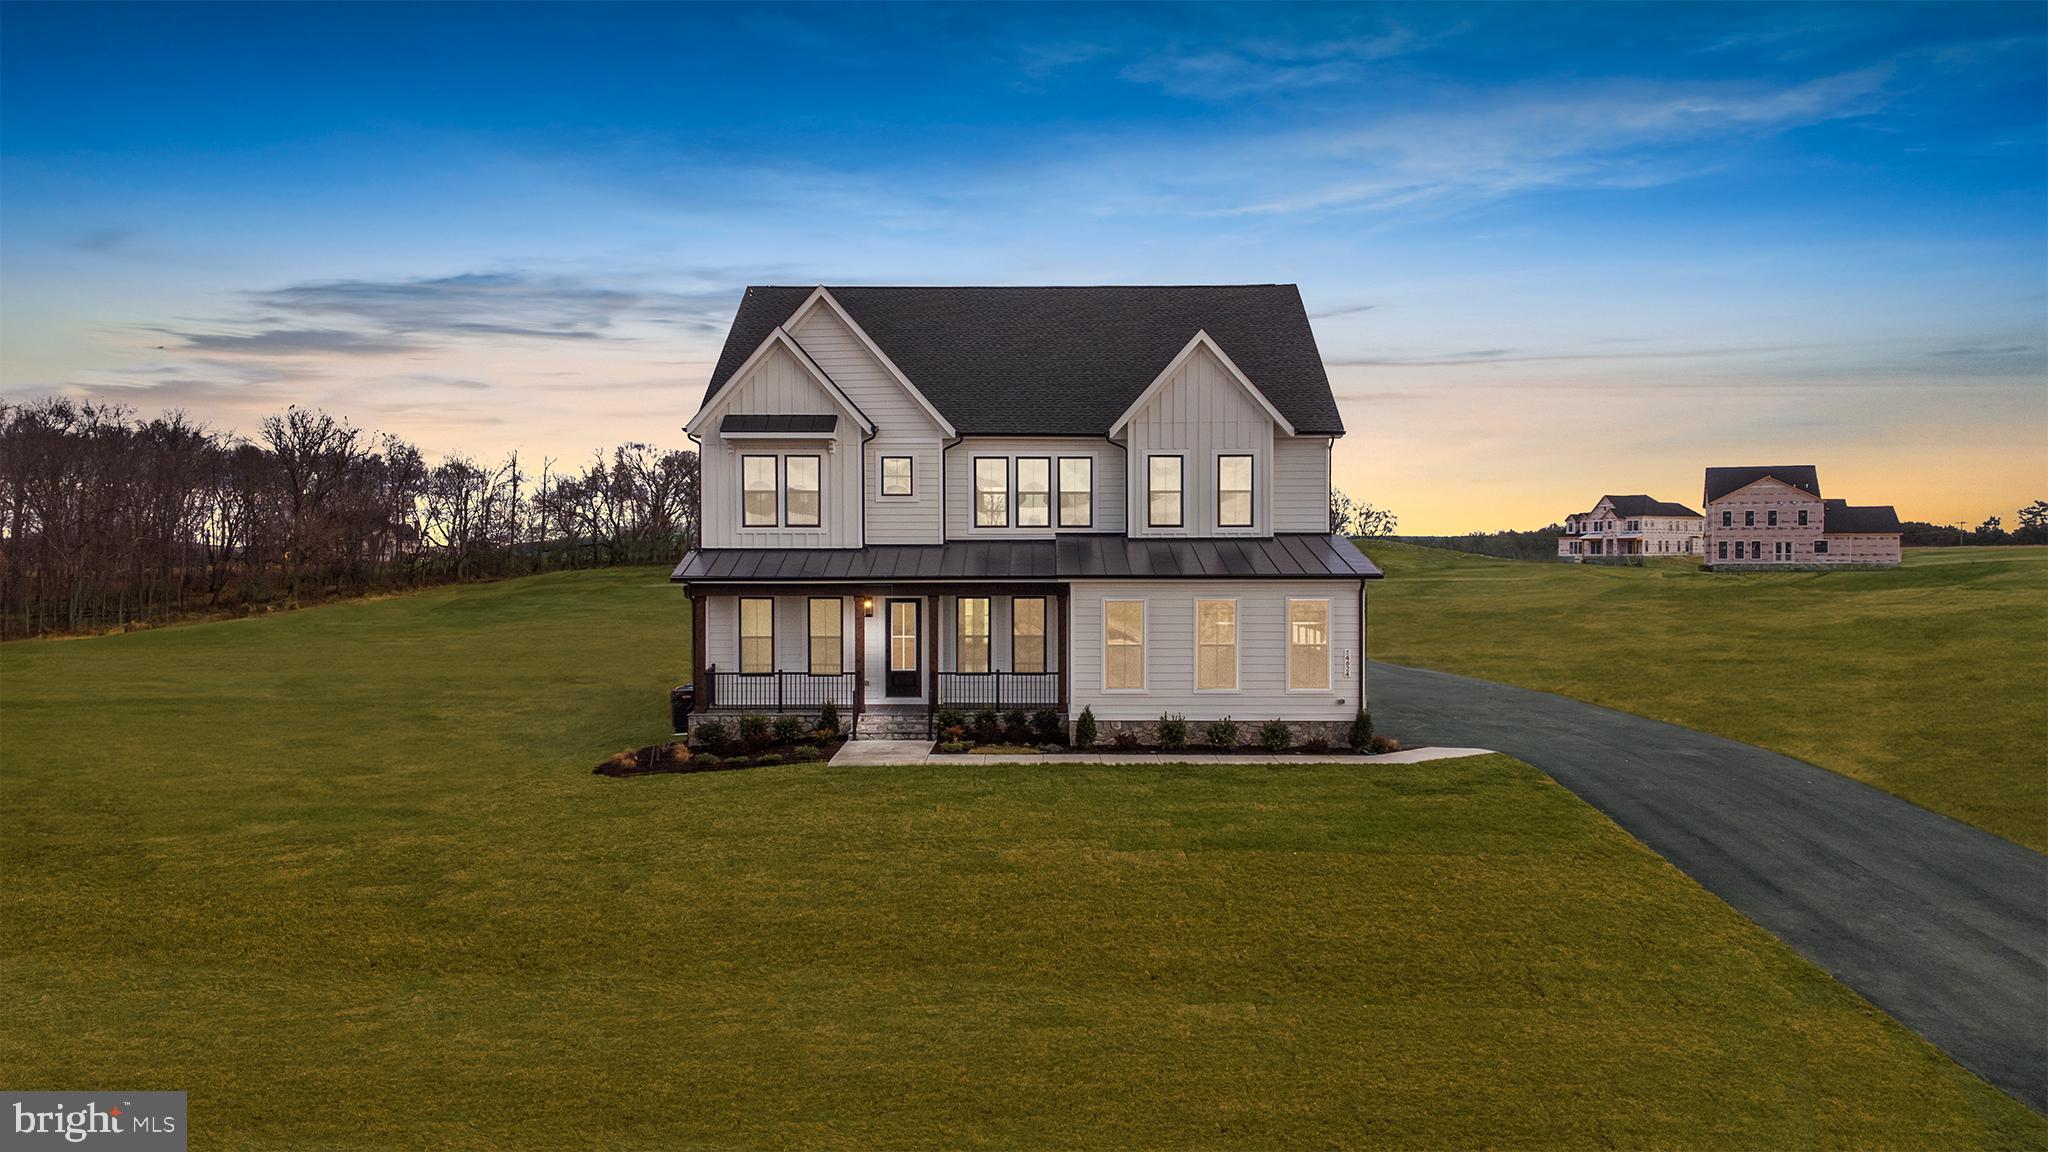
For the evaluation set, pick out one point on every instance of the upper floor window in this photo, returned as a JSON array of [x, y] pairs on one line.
[[1771, 517], [757, 485], [1077, 491], [974, 634], [991, 492], [1233, 491], [1749, 519], [828, 654], [1163, 492], [757, 634], [896, 476], [1727, 519], [1027, 634], [1802, 517], [802, 507], [1308, 645], [1034, 491], [1634, 525]]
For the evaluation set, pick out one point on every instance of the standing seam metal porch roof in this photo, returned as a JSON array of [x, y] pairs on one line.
[[1287, 556]]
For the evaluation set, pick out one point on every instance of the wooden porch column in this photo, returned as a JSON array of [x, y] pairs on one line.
[[1066, 646], [931, 665], [699, 647], [860, 661]]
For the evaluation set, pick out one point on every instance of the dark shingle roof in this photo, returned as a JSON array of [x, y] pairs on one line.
[[1842, 516], [1067, 558], [1722, 481], [790, 422], [1062, 361], [1645, 506]]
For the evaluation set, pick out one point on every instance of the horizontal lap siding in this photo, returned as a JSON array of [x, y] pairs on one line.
[[1301, 484], [1109, 483], [902, 428], [778, 385], [1262, 651]]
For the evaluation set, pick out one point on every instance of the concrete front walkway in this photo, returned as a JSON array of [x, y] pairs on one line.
[[1942, 925], [873, 752]]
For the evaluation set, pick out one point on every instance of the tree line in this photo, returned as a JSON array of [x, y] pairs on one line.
[[108, 519]]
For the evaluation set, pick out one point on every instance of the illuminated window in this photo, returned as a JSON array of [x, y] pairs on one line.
[[757, 484], [1077, 491], [1163, 492], [757, 634], [1027, 635], [1216, 645], [1123, 645], [973, 634], [1233, 491], [1308, 645], [991, 492], [828, 655], [800, 479], [895, 475], [1034, 492]]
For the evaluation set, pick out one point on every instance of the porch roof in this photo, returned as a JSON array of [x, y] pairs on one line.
[[1288, 555]]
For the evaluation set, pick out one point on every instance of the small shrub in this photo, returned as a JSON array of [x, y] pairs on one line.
[[1016, 727], [1047, 726], [1049, 747], [1361, 731], [754, 730], [1084, 729], [954, 747], [803, 753], [951, 718], [1316, 744], [788, 729], [1385, 744], [828, 718], [987, 729], [1221, 733], [956, 732], [714, 734], [1173, 730], [1125, 740], [1275, 736], [710, 759]]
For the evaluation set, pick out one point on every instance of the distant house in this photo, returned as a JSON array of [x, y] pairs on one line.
[[1115, 498], [1775, 517], [1622, 527]]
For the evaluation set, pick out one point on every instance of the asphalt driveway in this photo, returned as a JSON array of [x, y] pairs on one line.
[[1940, 924]]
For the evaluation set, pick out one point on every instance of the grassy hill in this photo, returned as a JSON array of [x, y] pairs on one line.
[[1929, 680], [344, 876]]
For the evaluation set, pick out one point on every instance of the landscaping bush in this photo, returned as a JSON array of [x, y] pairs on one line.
[[714, 734], [951, 718], [1316, 744], [1047, 726], [754, 731], [1385, 744], [1016, 728], [710, 759], [1361, 731], [1084, 729], [987, 729], [1221, 733], [1173, 730], [1125, 741], [954, 747], [1276, 736], [828, 719], [803, 753], [789, 729]]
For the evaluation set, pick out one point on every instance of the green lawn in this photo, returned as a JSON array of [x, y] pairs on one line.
[[1929, 680], [345, 877]]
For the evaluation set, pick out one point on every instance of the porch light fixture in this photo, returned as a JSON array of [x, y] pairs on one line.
[[867, 605]]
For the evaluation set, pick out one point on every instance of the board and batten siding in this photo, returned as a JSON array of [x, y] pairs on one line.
[[1262, 651], [1109, 483], [1200, 413], [902, 428], [779, 385], [1301, 483]]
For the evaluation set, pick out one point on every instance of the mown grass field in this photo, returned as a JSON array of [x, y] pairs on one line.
[[1929, 680], [344, 876]]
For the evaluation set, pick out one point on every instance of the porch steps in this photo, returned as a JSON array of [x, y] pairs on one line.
[[890, 726]]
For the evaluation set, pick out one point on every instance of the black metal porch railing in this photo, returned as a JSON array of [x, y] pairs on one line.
[[1001, 691], [779, 691]]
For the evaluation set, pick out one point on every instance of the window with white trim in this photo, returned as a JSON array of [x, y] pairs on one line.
[[757, 487], [896, 476], [1308, 645], [1216, 645], [991, 492], [1034, 491], [1233, 491], [757, 634], [1027, 634], [1163, 492], [828, 653], [1123, 645], [973, 655], [1077, 491], [802, 502]]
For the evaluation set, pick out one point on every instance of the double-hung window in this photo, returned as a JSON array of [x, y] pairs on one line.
[[1749, 519], [1034, 491], [974, 634], [1027, 634], [1308, 645], [896, 476], [1123, 645], [1163, 492], [757, 487], [1077, 491], [1802, 517], [757, 634], [1233, 491], [1723, 550], [1215, 645], [1727, 519], [991, 492], [1771, 517], [828, 654], [802, 507]]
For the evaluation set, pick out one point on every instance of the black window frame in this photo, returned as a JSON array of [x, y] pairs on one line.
[[787, 522], [1727, 518], [1059, 489], [1251, 491], [1802, 517], [1181, 503], [775, 487], [909, 475], [1723, 550], [1017, 490], [1749, 518], [1771, 518], [1820, 547], [974, 487]]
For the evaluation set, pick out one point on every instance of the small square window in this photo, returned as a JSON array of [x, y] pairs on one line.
[[896, 476]]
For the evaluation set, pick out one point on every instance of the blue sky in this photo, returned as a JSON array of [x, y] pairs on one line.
[[1552, 251]]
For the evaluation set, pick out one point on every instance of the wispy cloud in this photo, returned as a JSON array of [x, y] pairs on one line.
[[295, 342], [1265, 64], [488, 304]]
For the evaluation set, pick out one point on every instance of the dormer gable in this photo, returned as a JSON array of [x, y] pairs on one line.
[[1201, 344], [772, 382]]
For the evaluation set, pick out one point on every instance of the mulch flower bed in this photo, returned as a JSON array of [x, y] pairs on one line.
[[656, 759]]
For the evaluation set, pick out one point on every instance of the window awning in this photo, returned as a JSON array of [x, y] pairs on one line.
[[745, 424]]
